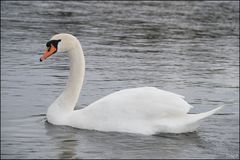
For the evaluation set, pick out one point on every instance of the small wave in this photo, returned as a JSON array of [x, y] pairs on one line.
[[225, 114], [39, 115]]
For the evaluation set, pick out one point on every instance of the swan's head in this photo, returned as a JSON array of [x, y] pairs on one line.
[[62, 42]]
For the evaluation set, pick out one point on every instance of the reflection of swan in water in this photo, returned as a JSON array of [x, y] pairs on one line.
[[145, 110], [73, 143], [180, 145], [64, 140]]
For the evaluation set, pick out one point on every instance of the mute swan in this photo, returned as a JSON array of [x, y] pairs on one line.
[[145, 110]]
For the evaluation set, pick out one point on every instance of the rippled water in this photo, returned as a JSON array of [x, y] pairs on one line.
[[190, 48]]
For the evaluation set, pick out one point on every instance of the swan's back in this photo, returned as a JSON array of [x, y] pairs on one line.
[[144, 102], [130, 110]]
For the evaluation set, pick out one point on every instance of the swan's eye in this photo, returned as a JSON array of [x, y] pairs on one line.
[[48, 44], [53, 42]]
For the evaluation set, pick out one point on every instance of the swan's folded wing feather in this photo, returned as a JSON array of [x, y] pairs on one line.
[[147, 102]]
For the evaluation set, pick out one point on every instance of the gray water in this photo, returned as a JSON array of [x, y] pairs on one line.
[[189, 48]]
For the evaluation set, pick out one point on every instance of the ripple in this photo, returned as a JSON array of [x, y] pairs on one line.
[[185, 47]]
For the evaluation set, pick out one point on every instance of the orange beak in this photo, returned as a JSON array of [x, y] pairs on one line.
[[50, 51]]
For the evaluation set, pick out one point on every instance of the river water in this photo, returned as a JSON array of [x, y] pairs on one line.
[[189, 48]]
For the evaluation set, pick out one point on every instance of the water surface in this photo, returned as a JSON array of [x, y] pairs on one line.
[[189, 48]]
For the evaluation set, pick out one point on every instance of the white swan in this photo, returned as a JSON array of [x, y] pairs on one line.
[[145, 110]]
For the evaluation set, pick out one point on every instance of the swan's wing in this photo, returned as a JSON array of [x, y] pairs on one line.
[[136, 110], [144, 102]]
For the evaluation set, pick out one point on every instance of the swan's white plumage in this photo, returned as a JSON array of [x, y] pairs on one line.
[[145, 110]]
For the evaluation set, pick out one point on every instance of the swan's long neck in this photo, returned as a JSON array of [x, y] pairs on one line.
[[70, 95]]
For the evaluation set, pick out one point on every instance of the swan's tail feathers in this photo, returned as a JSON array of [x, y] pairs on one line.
[[193, 121], [183, 124], [201, 116]]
